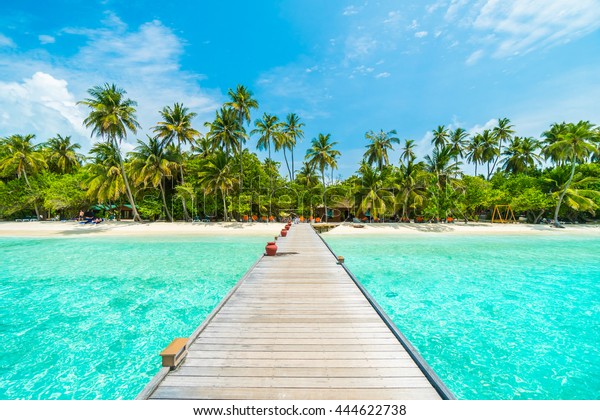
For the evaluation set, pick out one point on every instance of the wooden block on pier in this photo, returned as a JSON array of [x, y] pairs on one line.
[[174, 353]]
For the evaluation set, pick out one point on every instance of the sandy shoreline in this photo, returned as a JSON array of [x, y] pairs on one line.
[[74, 229], [268, 230]]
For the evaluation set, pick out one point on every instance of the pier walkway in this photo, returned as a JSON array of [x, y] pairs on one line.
[[298, 326]]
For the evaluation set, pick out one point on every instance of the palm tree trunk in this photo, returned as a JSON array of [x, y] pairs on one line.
[[293, 172], [225, 218], [186, 216], [562, 195], [324, 193], [287, 164], [37, 212], [136, 216], [164, 200], [475, 168], [405, 205]]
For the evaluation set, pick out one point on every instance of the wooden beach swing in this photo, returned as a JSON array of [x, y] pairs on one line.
[[503, 213]]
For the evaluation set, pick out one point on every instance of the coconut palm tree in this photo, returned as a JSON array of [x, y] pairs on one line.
[[490, 151], [410, 183], [380, 144], [104, 178], [441, 166], [150, 164], [292, 129], [225, 131], [242, 102], [176, 127], [21, 157], [374, 197], [503, 134], [440, 137], [62, 154], [111, 116], [269, 129], [521, 155], [458, 142], [322, 155], [217, 175], [408, 155], [574, 144], [475, 151]]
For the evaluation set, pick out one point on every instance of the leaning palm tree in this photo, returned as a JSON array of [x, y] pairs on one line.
[[20, 157], [573, 145], [380, 144], [103, 175], [176, 126], [151, 165], [242, 102], [490, 151], [374, 197], [217, 175], [475, 151], [62, 154], [322, 155], [292, 129], [225, 131], [111, 115]]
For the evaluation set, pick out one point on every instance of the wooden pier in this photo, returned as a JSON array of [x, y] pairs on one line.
[[298, 326]]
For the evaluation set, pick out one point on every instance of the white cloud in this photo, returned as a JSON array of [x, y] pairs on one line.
[[420, 34], [383, 75], [413, 25], [359, 47], [144, 61], [46, 39], [518, 27], [6, 42], [489, 125], [393, 17], [350, 10], [474, 58], [42, 105]]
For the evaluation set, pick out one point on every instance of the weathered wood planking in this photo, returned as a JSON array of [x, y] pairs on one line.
[[296, 326]]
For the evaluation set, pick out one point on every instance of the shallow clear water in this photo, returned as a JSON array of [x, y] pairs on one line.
[[87, 318], [497, 317]]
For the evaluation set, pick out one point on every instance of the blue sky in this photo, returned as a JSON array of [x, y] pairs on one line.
[[345, 67]]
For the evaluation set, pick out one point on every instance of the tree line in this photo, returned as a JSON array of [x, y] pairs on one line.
[[178, 173]]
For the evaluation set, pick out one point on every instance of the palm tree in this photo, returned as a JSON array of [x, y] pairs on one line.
[[177, 126], [104, 178], [292, 129], [410, 183], [21, 156], [408, 155], [269, 129], [322, 155], [216, 175], [490, 151], [151, 164], [374, 197], [225, 131], [380, 143], [458, 142], [502, 133], [440, 164], [242, 102], [440, 137], [111, 115], [475, 151], [574, 144], [62, 154], [578, 196], [520, 155]]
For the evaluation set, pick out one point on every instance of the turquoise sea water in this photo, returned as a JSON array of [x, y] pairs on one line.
[[86, 318], [497, 317]]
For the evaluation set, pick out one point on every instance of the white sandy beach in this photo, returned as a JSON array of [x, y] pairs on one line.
[[268, 230], [405, 229]]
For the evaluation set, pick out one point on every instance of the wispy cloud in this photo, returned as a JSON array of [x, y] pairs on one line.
[[350, 10], [421, 34], [513, 27], [6, 41], [474, 58], [382, 75], [46, 39]]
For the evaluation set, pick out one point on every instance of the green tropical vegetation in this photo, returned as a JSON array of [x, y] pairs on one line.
[[179, 173]]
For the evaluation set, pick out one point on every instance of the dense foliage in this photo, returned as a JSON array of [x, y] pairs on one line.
[[182, 174]]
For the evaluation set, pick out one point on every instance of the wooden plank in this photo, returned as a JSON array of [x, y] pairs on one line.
[[299, 372]]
